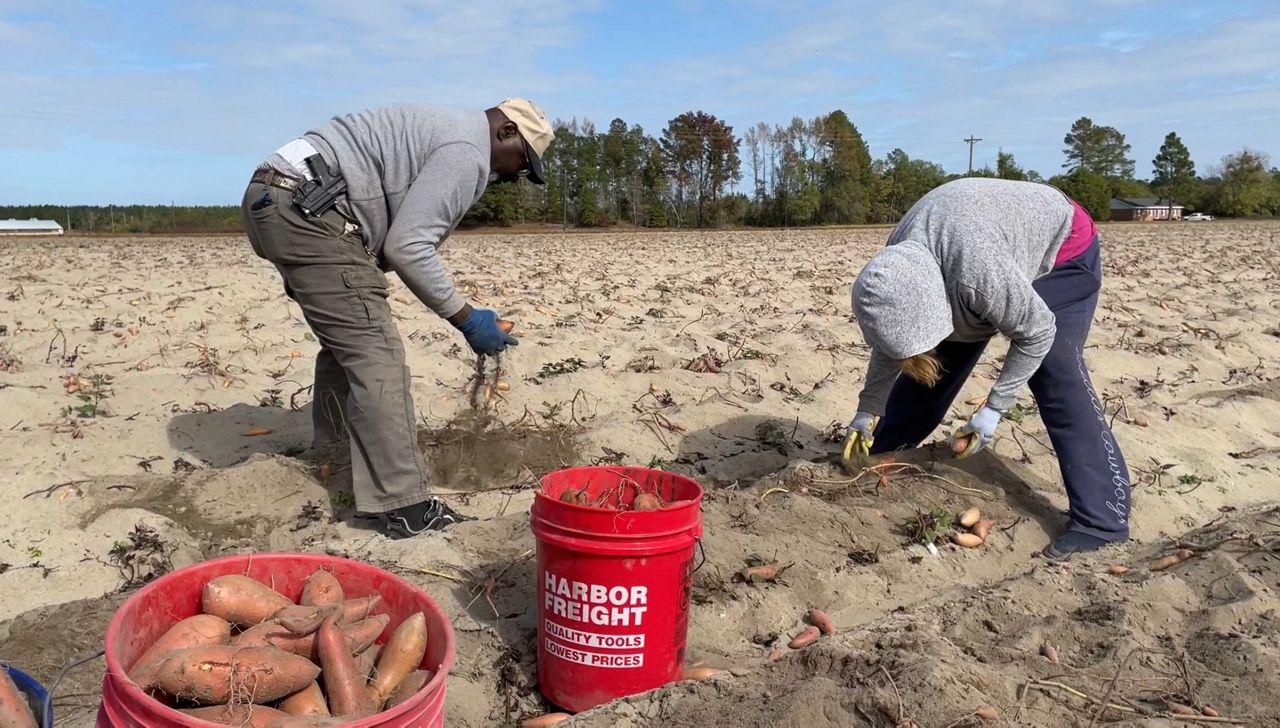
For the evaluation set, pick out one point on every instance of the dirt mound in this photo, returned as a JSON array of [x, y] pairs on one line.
[[1043, 648]]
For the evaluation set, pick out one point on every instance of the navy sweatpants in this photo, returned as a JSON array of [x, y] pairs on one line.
[[1093, 469]]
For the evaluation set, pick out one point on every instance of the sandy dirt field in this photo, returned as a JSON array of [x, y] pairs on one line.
[[132, 369]]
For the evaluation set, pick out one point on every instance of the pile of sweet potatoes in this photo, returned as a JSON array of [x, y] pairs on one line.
[[613, 499], [254, 658]]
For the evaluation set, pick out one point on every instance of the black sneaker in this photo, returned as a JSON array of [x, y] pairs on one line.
[[430, 515], [1072, 542]]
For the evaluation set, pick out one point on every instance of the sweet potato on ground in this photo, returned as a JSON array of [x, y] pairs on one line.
[[248, 716], [819, 619], [213, 674], [342, 682], [202, 629], [307, 701], [805, 638], [15, 711], [545, 721], [408, 687], [402, 655], [241, 601], [321, 588]]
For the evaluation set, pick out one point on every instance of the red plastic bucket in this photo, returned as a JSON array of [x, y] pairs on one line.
[[613, 585], [159, 605]]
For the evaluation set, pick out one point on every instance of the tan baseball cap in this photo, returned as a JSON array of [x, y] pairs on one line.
[[534, 129]]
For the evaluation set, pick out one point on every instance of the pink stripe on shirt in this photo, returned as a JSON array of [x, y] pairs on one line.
[[1082, 232]]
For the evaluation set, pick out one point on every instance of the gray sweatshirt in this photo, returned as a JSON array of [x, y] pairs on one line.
[[959, 267], [412, 172]]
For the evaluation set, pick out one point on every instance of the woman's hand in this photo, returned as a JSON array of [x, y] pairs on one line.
[[979, 433], [860, 437]]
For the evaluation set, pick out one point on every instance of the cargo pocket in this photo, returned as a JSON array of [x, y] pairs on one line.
[[370, 287]]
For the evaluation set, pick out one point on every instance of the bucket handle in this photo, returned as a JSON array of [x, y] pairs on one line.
[[702, 554], [48, 696]]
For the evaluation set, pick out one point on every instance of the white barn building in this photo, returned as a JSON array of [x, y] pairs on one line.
[[29, 227]]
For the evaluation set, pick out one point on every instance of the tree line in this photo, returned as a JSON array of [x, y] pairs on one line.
[[698, 173], [133, 219]]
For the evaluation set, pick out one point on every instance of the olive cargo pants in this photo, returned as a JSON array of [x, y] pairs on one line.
[[362, 384]]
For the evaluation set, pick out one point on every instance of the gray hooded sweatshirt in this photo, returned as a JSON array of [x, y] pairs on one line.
[[412, 172], [959, 267]]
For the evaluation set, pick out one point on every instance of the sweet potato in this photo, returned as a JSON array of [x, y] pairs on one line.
[[775, 655], [322, 588], [986, 712], [1180, 709], [366, 660], [970, 517], [342, 683], [1171, 560], [402, 655], [211, 674], [274, 634], [819, 619], [408, 687], [646, 502], [241, 601], [700, 673], [305, 620], [967, 540], [804, 639], [506, 326], [202, 629], [305, 721], [577, 496], [1117, 569], [961, 444], [249, 716], [307, 701], [354, 610], [1049, 652], [983, 527], [362, 634], [545, 721], [761, 572], [15, 711]]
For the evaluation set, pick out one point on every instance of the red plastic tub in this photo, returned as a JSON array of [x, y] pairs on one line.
[[613, 585], [158, 606]]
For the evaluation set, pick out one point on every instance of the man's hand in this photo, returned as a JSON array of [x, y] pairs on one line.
[[974, 437], [484, 335], [860, 438]]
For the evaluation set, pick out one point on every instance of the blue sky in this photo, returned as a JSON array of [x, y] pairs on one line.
[[149, 102]]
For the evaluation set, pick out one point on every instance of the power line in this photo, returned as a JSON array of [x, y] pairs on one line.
[[971, 141]]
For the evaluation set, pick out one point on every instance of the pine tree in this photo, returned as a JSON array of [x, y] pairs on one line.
[[1174, 174]]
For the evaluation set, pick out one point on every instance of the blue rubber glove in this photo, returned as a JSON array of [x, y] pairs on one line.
[[482, 332], [983, 428]]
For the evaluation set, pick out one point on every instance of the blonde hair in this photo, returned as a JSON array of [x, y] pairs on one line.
[[925, 368]]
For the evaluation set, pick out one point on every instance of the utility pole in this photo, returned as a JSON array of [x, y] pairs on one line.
[[971, 141]]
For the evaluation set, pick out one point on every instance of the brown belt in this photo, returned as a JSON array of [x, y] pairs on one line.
[[275, 179]]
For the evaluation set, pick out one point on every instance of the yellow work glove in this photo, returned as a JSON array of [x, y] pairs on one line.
[[860, 439]]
